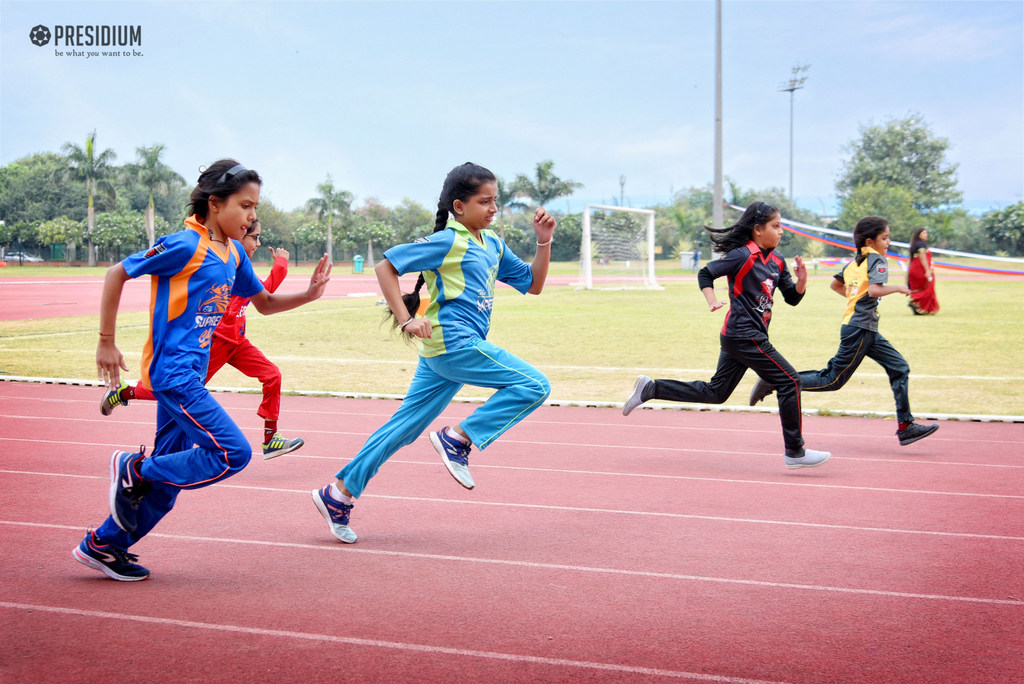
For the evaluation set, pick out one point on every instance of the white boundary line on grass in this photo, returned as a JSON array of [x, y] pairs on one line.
[[974, 418]]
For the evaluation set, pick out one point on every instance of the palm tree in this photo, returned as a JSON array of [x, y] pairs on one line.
[[329, 204], [507, 199], [84, 164], [155, 176], [546, 186]]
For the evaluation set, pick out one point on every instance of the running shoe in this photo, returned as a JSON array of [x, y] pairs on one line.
[[642, 385], [115, 563], [808, 458], [761, 390], [126, 489], [914, 432], [336, 512], [280, 445], [454, 454], [112, 399]]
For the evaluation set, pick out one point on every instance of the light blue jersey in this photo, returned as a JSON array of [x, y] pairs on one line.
[[460, 272]]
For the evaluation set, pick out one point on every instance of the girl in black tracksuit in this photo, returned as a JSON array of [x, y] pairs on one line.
[[754, 273]]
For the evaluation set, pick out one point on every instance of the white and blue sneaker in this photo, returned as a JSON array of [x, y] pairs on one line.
[[127, 489], [115, 563], [336, 512], [807, 458], [454, 454]]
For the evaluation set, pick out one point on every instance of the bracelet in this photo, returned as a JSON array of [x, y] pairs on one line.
[[106, 334], [411, 319], [550, 240]]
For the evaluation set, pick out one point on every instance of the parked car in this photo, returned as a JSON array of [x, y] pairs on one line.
[[21, 256]]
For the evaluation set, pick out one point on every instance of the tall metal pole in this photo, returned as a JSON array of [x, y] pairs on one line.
[[716, 209], [796, 82]]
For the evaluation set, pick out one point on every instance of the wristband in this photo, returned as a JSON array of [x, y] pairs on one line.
[[106, 334], [550, 240], [402, 327]]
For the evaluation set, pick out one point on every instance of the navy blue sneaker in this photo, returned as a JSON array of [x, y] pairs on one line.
[[115, 563], [336, 512], [914, 432], [455, 455], [127, 489]]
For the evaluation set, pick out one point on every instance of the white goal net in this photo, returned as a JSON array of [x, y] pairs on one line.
[[617, 249]]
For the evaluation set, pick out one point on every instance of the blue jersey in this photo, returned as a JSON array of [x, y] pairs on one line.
[[460, 272], [193, 279]]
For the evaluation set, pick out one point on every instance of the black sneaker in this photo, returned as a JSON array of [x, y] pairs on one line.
[[126, 489], [914, 432], [115, 563]]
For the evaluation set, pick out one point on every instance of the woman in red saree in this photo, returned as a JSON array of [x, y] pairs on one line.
[[921, 275]]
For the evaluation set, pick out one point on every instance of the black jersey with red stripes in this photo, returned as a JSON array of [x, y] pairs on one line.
[[754, 275]]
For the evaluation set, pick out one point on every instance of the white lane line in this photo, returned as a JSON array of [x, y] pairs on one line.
[[376, 643], [337, 548]]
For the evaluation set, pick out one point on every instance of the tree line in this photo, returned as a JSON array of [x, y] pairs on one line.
[[80, 199]]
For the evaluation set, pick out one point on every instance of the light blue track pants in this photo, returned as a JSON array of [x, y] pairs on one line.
[[521, 389]]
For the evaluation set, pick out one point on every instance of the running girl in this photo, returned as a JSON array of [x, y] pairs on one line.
[[459, 263], [754, 273], [231, 346], [863, 283], [194, 272]]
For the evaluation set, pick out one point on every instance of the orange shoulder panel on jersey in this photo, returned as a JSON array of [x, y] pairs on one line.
[[177, 295]]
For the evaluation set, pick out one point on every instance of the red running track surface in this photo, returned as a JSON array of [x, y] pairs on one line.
[[667, 545]]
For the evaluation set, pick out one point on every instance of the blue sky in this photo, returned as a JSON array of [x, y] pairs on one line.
[[386, 97]]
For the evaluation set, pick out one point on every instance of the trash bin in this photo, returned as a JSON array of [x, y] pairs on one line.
[[357, 263]]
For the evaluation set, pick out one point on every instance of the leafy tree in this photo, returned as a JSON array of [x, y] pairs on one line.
[[1005, 228], [117, 230], [874, 198], [545, 186], [411, 220], [312, 235], [368, 232], [62, 231], [85, 164], [30, 191], [905, 154], [330, 204], [155, 176], [508, 198]]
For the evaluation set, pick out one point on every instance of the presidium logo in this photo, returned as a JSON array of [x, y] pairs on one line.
[[105, 40]]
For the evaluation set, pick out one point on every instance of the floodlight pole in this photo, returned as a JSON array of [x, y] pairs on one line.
[[716, 202], [796, 82]]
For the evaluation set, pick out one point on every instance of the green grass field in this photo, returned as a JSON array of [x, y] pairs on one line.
[[592, 344]]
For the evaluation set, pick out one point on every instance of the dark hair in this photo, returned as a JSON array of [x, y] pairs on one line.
[[869, 227], [742, 232], [916, 237], [252, 227], [221, 179], [461, 183]]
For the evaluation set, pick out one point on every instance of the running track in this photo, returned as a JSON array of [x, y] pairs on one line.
[[668, 545]]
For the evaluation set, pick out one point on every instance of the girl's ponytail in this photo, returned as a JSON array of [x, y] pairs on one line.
[[412, 299], [868, 227]]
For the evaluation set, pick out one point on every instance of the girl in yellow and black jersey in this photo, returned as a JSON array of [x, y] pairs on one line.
[[863, 282]]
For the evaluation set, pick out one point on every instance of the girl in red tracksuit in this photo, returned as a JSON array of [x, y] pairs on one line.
[[231, 346], [754, 272]]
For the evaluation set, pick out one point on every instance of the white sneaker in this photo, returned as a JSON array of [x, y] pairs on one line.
[[337, 514], [454, 454], [637, 397], [808, 459]]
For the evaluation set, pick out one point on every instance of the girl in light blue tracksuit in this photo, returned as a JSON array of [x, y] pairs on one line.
[[459, 263]]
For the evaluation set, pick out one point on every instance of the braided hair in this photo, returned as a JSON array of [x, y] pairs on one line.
[[742, 232], [461, 183]]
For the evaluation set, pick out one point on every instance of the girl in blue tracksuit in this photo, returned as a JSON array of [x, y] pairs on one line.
[[194, 273], [459, 263], [754, 271]]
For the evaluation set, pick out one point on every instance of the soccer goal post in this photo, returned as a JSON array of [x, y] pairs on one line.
[[625, 254]]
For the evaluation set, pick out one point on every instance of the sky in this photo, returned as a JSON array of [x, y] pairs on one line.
[[387, 97]]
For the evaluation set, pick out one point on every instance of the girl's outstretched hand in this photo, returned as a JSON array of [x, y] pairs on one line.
[[109, 364], [715, 305], [318, 281], [543, 224], [420, 327], [800, 270], [278, 252]]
